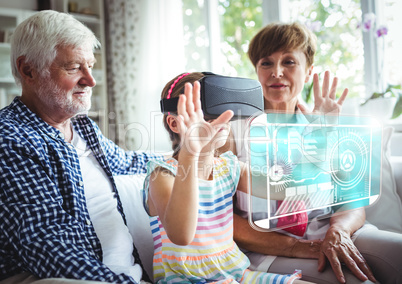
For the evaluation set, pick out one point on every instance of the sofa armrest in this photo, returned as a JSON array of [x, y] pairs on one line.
[[396, 162], [386, 211]]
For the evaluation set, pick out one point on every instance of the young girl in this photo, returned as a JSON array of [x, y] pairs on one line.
[[190, 198]]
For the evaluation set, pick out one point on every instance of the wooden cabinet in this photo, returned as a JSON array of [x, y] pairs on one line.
[[89, 12]]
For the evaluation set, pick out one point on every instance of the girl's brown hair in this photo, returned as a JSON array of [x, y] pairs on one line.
[[173, 90], [282, 37]]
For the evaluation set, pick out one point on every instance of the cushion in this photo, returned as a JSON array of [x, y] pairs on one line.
[[396, 162], [130, 192], [386, 211]]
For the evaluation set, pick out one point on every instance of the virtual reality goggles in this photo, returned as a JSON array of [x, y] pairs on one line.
[[220, 93]]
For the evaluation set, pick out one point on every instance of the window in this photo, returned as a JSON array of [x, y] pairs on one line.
[[392, 43], [217, 33], [196, 35], [339, 41]]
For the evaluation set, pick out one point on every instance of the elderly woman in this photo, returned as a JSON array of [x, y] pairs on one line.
[[283, 56]]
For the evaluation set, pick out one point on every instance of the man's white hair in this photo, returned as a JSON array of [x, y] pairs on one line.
[[38, 37]]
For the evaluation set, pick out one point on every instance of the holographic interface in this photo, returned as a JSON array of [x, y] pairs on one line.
[[311, 165]]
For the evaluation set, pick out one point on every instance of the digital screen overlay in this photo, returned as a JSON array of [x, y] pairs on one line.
[[311, 166]]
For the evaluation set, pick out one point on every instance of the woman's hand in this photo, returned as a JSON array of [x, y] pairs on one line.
[[324, 101], [306, 249], [196, 133], [338, 248]]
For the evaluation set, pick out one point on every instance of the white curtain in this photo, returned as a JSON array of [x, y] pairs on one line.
[[145, 50]]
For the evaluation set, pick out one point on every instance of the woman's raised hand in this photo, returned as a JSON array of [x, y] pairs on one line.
[[324, 101], [195, 132]]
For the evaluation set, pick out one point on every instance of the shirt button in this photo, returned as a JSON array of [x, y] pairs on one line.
[[80, 183], [88, 222]]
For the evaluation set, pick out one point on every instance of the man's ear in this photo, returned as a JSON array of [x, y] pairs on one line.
[[25, 69], [172, 122], [309, 72]]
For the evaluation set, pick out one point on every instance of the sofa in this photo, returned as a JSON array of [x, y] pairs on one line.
[[385, 213]]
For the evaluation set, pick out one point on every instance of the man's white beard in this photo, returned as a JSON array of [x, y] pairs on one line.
[[53, 97]]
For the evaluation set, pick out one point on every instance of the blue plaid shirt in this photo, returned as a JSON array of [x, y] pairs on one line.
[[45, 227]]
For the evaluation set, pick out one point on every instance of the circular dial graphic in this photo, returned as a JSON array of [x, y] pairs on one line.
[[276, 172], [349, 161]]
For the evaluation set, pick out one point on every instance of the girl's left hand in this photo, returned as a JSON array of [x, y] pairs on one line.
[[194, 130], [324, 102]]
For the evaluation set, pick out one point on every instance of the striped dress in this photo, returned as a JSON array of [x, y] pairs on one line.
[[212, 256]]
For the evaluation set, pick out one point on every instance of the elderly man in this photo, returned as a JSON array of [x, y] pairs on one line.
[[61, 214]]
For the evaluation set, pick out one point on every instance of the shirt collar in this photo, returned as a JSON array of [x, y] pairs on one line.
[[29, 118]]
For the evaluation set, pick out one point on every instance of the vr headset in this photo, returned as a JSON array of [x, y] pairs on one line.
[[220, 93]]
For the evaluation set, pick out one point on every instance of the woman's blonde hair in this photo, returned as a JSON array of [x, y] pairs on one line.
[[173, 89], [282, 37]]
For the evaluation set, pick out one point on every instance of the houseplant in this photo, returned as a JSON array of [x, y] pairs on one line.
[[385, 105]]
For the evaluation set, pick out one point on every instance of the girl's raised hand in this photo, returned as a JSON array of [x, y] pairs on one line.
[[194, 131], [324, 102]]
